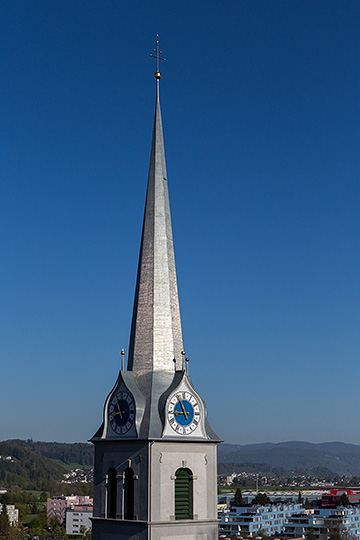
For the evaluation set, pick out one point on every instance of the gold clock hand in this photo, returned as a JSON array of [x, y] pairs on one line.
[[186, 414], [117, 403]]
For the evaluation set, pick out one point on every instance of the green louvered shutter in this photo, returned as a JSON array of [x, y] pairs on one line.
[[183, 494]]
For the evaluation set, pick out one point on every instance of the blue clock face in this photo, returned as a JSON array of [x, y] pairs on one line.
[[183, 412], [121, 412]]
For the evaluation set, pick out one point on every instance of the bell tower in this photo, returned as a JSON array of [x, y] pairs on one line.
[[155, 453]]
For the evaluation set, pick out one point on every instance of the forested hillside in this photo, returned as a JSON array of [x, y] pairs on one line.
[[323, 458], [40, 465], [79, 453], [20, 466]]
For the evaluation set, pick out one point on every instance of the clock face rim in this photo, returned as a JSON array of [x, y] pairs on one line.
[[129, 409], [191, 406]]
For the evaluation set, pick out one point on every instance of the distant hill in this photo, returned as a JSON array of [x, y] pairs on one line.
[[22, 467], [77, 453], [334, 457], [39, 465]]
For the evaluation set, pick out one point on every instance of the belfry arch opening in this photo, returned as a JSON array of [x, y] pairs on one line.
[[112, 493], [129, 493], [183, 494]]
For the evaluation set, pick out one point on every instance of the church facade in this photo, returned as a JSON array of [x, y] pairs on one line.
[[155, 453]]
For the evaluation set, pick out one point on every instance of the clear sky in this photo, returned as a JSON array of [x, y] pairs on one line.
[[261, 113]]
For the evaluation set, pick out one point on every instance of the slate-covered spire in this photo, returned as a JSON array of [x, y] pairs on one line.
[[156, 335]]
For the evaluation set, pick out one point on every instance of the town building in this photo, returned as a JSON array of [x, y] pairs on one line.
[[332, 498], [12, 512], [155, 452], [248, 520], [276, 497], [236, 536], [78, 519], [58, 506], [342, 519]]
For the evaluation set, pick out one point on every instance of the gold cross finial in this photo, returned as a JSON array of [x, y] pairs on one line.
[[157, 74]]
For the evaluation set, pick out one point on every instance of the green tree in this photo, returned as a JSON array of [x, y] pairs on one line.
[[85, 533], [238, 500], [43, 496], [53, 523], [344, 500], [39, 523], [261, 498], [299, 498], [336, 531], [4, 523], [34, 508], [56, 529], [310, 533], [7, 532], [261, 532], [24, 510], [4, 499]]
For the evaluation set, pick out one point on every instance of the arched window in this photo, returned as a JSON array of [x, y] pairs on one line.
[[183, 494], [129, 493], [112, 493]]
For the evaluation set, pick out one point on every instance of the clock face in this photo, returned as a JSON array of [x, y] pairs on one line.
[[183, 412], [121, 412]]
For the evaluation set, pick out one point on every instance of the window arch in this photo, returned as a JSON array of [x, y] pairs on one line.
[[112, 493], [129, 493], [183, 494]]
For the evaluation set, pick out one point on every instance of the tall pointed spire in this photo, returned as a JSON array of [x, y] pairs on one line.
[[154, 399], [156, 335]]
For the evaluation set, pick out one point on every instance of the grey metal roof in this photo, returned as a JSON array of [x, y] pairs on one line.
[[156, 335]]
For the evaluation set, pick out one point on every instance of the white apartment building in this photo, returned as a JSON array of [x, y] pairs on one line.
[[12, 512], [323, 519], [77, 517], [247, 520]]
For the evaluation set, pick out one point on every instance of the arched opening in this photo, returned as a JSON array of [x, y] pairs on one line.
[[112, 493], [129, 493], [183, 494]]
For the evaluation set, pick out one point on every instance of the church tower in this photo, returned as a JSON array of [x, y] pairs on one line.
[[155, 453]]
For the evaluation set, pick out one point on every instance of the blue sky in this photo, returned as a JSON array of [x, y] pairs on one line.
[[260, 103]]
